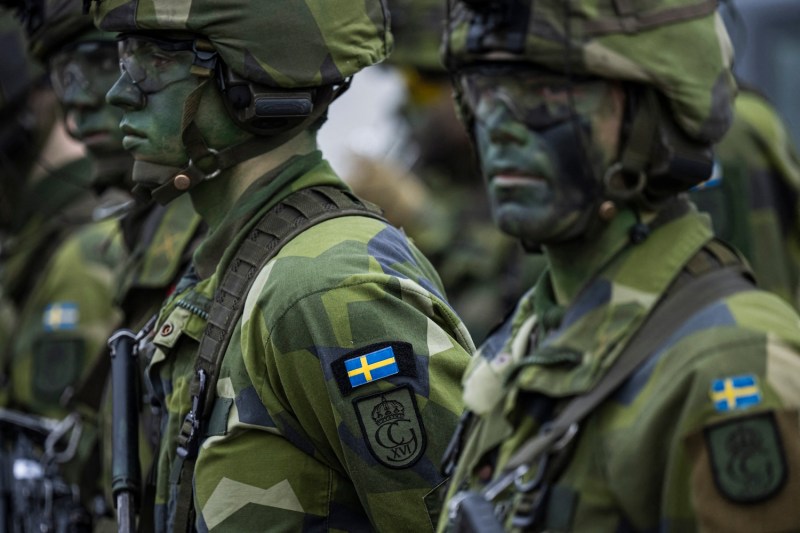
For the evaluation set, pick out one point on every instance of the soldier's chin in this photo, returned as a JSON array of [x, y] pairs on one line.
[[149, 176], [539, 226]]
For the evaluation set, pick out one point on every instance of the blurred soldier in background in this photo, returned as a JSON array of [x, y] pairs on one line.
[[428, 182], [754, 202], [644, 384], [57, 270], [17, 75], [308, 363], [83, 64], [755, 199]]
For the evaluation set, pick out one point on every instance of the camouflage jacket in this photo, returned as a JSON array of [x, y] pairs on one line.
[[755, 203], [56, 270], [159, 241], [307, 432], [61, 335], [65, 321], [703, 436]]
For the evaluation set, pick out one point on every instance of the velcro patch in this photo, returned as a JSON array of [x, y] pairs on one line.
[[373, 363], [747, 457], [60, 316], [735, 392], [392, 427]]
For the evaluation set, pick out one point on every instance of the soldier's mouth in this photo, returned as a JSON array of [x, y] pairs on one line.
[[93, 138], [132, 136], [511, 178]]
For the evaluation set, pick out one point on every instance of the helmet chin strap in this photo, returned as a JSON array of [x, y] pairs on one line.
[[206, 163]]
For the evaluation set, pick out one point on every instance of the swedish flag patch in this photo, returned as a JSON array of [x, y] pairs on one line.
[[371, 367], [735, 392], [373, 363], [60, 316]]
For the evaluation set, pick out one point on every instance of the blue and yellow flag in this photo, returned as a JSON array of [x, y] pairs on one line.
[[59, 316], [371, 367], [735, 392]]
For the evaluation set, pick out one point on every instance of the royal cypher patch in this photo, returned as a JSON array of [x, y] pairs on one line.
[[747, 457], [392, 427]]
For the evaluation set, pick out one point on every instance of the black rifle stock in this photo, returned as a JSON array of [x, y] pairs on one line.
[[125, 469]]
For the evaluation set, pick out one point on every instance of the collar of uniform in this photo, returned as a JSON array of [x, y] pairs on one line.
[[163, 248], [595, 328], [299, 172]]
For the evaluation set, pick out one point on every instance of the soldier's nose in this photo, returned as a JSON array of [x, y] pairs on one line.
[[125, 94], [496, 118]]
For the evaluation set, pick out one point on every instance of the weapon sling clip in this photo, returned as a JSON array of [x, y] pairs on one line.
[[187, 440]]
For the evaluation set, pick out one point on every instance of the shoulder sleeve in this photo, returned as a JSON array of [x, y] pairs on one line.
[[734, 462], [370, 371], [67, 320]]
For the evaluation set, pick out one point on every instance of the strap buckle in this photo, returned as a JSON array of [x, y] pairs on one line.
[[187, 439], [210, 153], [205, 58], [515, 477]]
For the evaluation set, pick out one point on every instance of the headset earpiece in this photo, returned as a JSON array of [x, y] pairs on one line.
[[263, 110]]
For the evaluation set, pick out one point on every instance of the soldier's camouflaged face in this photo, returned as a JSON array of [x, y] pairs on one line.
[[152, 119], [280, 43], [542, 158], [81, 76], [678, 46]]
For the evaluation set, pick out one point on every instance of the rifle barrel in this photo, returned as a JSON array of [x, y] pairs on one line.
[[125, 469]]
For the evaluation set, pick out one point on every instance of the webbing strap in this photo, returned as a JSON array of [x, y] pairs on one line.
[[290, 217], [637, 153], [668, 316]]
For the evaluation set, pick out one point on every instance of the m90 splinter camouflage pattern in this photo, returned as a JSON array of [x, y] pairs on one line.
[[280, 43]]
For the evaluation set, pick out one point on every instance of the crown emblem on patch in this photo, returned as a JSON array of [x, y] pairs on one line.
[[388, 411]]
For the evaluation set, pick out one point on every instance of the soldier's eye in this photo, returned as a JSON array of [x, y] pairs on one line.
[[161, 61]]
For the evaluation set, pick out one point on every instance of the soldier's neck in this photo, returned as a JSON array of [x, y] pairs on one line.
[[575, 263], [214, 198]]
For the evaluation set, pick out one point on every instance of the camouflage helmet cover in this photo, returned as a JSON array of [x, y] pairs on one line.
[[417, 26], [678, 46], [279, 43], [63, 21]]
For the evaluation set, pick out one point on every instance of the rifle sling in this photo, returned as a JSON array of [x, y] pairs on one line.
[[287, 219], [668, 316]]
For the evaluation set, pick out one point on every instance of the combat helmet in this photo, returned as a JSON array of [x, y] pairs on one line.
[[278, 63], [676, 51], [58, 22], [417, 27]]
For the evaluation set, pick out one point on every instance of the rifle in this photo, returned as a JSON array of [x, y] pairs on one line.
[[125, 469]]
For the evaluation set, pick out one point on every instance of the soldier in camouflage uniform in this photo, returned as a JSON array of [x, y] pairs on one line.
[[15, 79], [57, 270], [330, 403], [430, 176], [643, 384], [158, 240], [754, 202]]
